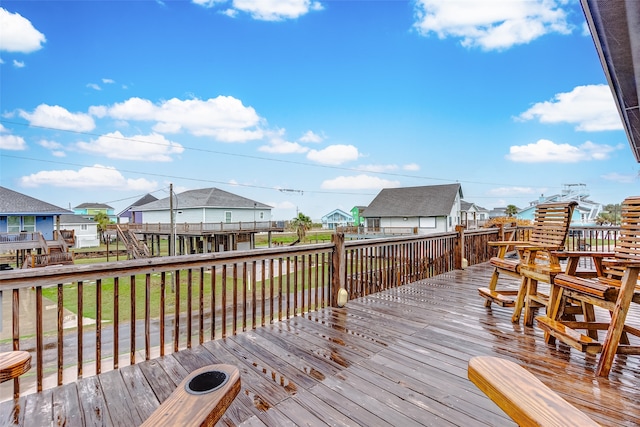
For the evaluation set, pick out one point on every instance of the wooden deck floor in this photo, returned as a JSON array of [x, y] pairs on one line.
[[395, 358]]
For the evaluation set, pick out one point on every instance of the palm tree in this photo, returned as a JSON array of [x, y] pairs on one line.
[[301, 224], [103, 220], [511, 210]]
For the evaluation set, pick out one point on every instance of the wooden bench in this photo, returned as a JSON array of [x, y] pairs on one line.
[[615, 288], [535, 260], [522, 396], [200, 399]]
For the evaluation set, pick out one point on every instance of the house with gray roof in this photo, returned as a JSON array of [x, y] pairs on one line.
[[425, 209], [131, 214], [84, 231], [22, 213], [90, 210], [472, 216]]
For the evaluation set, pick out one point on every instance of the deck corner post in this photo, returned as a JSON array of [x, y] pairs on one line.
[[458, 248], [339, 266]]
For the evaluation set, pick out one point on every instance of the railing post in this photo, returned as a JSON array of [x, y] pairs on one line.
[[338, 270], [458, 248]]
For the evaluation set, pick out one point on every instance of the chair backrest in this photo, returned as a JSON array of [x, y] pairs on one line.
[[628, 243], [551, 223]]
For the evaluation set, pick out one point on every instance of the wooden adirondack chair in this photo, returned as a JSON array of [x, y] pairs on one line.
[[550, 228], [615, 288]]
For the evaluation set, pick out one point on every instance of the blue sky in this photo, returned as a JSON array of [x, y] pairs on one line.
[[305, 105]]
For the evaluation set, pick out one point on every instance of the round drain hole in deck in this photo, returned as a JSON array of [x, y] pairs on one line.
[[206, 382]]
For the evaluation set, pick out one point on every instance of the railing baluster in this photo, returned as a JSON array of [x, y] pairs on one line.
[[39, 337], [163, 284], [234, 320], [98, 326], [15, 309], [224, 300], [116, 322], [244, 296], [189, 305], [254, 291], [80, 329], [147, 316], [176, 313], [295, 285], [60, 331], [201, 307], [213, 302], [132, 315]]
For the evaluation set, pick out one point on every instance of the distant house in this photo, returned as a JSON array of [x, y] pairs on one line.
[[213, 206], [22, 213], [131, 215], [472, 216], [585, 213], [498, 212], [356, 214], [426, 209], [336, 218], [85, 231], [90, 210]]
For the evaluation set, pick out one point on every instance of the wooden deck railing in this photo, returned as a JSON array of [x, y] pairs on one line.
[[84, 319], [201, 227]]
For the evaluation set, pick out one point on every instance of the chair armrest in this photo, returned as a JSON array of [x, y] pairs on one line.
[[200, 399], [538, 247], [577, 254], [621, 262], [13, 364], [507, 243], [522, 396]]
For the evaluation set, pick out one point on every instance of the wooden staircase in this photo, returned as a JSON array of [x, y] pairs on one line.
[[135, 248]]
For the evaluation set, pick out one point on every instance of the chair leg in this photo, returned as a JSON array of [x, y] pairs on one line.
[[610, 345], [492, 285], [590, 316], [556, 300], [522, 293], [532, 290]]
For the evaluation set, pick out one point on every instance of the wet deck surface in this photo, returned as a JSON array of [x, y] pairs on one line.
[[398, 357]]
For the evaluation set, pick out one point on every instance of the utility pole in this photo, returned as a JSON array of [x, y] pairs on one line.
[[172, 239]]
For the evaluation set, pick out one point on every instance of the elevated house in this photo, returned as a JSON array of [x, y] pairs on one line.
[[585, 213], [90, 210], [131, 215], [415, 210], [472, 216], [29, 225], [220, 220], [337, 218]]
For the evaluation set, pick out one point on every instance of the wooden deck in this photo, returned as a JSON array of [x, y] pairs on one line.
[[396, 358]]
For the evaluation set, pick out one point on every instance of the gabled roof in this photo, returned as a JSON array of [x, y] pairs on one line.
[[338, 211], [431, 200], [147, 198], [12, 202], [93, 206], [75, 219], [204, 198], [615, 27]]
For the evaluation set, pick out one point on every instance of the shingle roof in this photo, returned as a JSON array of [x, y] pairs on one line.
[[431, 200], [75, 219], [204, 198], [12, 202], [93, 206]]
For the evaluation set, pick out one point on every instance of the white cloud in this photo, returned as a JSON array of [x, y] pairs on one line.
[[12, 142], [411, 167], [310, 136], [223, 118], [93, 86], [590, 108], [18, 34], [548, 151], [56, 117], [334, 154], [150, 148], [282, 205], [490, 24], [97, 176], [18, 64], [621, 178], [266, 10], [283, 147], [50, 145], [108, 81], [358, 182], [377, 168], [513, 191]]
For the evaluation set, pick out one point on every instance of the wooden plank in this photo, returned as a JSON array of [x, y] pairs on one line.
[[66, 409], [94, 409], [117, 398], [141, 392]]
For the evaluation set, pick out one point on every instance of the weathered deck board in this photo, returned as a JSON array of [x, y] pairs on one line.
[[398, 357]]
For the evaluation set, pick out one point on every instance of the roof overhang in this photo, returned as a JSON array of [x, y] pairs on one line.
[[615, 27]]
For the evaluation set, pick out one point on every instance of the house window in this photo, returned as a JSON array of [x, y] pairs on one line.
[[13, 224], [29, 223], [227, 217], [83, 226], [261, 215]]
